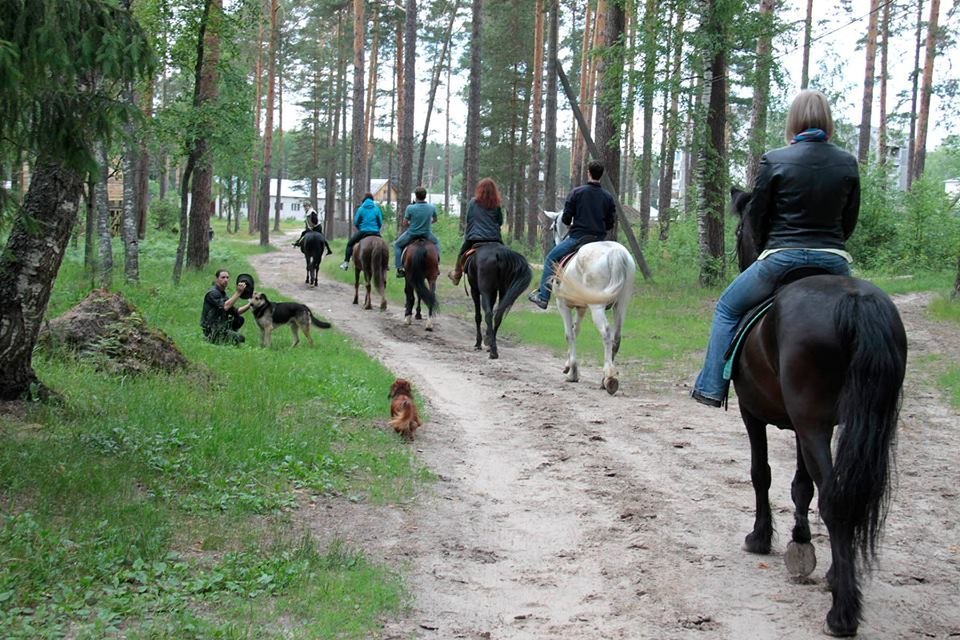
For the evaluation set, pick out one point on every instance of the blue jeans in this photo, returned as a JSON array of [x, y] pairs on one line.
[[404, 239], [749, 289], [567, 245]]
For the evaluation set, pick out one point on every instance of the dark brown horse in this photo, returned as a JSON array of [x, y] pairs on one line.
[[831, 351], [497, 275], [312, 245], [422, 266], [371, 257]]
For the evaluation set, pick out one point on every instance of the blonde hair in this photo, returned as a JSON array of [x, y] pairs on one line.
[[810, 110]]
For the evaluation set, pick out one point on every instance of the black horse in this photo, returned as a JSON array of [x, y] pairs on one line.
[[831, 351], [497, 275], [313, 245], [422, 266]]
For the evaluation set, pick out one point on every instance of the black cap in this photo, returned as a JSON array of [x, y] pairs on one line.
[[247, 279]]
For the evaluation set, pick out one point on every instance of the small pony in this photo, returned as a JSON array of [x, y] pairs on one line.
[[403, 413]]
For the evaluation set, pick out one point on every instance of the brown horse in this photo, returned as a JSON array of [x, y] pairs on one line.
[[422, 266], [371, 256]]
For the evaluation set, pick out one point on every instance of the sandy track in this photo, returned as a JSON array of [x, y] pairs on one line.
[[563, 512]]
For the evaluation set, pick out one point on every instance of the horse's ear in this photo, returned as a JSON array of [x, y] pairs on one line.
[[739, 200]]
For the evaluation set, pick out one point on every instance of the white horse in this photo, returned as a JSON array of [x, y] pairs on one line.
[[598, 277]]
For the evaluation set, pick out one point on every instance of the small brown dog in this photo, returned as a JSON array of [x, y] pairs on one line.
[[403, 413]]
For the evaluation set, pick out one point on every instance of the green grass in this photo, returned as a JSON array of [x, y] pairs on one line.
[[950, 383], [166, 497]]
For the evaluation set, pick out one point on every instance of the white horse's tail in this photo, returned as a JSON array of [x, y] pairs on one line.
[[621, 271]]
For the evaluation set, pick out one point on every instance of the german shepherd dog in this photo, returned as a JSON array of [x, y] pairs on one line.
[[273, 314], [403, 413]]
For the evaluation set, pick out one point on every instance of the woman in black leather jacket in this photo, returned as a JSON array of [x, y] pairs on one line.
[[805, 203]]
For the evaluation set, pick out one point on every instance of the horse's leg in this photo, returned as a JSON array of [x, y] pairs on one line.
[[433, 289], [408, 301], [367, 299], [486, 300], [758, 540], [356, 285], [800, 557], [844, 615], [571, 326], [610, 381], [477, 317]]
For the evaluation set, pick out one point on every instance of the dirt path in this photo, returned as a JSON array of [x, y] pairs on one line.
[[562, 512]]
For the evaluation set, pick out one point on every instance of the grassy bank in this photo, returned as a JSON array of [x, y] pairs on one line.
[[162, 506]]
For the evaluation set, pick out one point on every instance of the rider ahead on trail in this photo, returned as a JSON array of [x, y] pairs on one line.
[[805, 204], [368, 220], [590, 212], [484, 219], [417, 219]]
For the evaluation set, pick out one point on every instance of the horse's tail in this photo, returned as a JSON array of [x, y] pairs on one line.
[[418, 272], [623, 271], [856, 492], [518, 275], [379, 263]]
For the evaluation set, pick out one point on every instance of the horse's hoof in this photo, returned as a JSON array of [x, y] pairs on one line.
[[566, 369], [407, 320], [611, 385], [493, 355], [429, 326], [837, 633], [753, 544], [800, 559]]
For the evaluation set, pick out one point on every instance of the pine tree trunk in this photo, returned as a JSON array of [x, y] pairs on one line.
[[253, 197], [665, 200], [915, 77], [926, 90], [713, 178], [446, 143], [884, 52], [205, 94], [278, 202], [550, 124], [434, 83], [610, 76], [533, 175], [578, 149], [807, 28], [646, 92], [30, 261], [405, 142], [373, 77], [471, 152], [358, 175], [761, 91], [863, 146], [263, 216]]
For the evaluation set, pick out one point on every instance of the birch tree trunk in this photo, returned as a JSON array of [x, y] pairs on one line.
[[253, 197], [664, 202], [30, 261], [646, 92], [130, 226], [101, 198], [884, 52], [807, 27], [915, 77]]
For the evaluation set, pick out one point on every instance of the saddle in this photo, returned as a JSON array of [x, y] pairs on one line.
[[562, 262], [472, 250], [752, 317], [411, 244]]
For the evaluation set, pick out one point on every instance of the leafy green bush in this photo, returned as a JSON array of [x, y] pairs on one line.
[[928, 234], [872, 242], [164, 214]]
